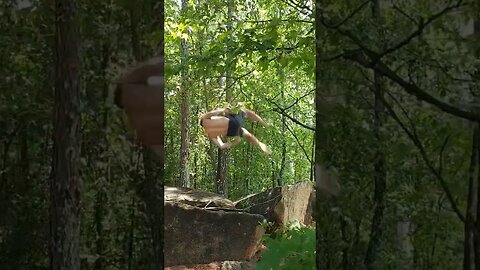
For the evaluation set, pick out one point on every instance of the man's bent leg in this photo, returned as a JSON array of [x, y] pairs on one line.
[[253, 140]]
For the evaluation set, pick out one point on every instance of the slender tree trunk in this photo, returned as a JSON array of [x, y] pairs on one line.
[[320, 130], [131, 236], [222, 166], [283, 164], [476, 238], [345, 250], [65, 181], [313, 160], [380, 173], [221, 183], [101, 198], [195, 172], [24, 159], [100, 202], [151, 192], [476, 241], [380, 176], [471, 213], [183, 180]]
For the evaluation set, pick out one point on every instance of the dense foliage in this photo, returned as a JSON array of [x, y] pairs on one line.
[[114, 229], [416, 210], [262, 54], [292, 247]]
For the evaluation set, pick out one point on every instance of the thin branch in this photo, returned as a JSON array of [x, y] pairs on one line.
[[282, 112], [300, 144], [332, 58], [427, 161], [345, 32], [410, 87], [422, 25], [397, 8], [377, 56], [238, 78], [298, 6], [435, 64], [298, 99], [404, 111], [442, 149], [415, 133], [344, 20], [287, 49]]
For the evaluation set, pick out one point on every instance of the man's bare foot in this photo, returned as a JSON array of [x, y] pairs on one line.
[[266, 150]]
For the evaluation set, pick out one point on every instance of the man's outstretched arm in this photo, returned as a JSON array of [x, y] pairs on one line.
[[214, 113], [255, 118]]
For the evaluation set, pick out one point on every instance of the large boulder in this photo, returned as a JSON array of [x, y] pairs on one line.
[[309, 214], [202, 227], [280, 205]]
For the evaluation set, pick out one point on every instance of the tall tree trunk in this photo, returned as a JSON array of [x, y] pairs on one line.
[[65, 180], [183, 180], [471, 213], [150, 187], [318, 121], [222, 166], [380, 176], [476, 238], [131, 235], [345, 250], [380, 173], [101, 198], [321, 140], [151, 192], [221, 178], [283, 164], [24, 159], [312, 164], [210, 146]]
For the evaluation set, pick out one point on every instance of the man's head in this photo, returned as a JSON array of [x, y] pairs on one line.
[[235, 107]]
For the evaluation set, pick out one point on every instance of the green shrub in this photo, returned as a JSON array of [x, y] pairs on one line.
[[291, 248]]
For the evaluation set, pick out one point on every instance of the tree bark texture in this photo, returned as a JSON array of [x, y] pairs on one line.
[[471, 213], [183, 180], [65, 180], [222, 166], [476, 31], [380, 171], [321, 134], [150, 187], [101, 200], [151, 192], [380, 179]]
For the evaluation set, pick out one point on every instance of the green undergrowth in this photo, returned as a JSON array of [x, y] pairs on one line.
[[287, 248]]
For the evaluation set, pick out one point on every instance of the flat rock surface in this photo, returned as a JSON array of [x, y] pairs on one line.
[[227, 265], [197, 198]]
